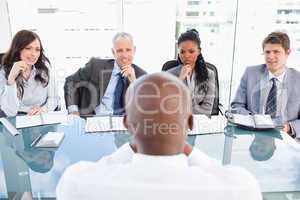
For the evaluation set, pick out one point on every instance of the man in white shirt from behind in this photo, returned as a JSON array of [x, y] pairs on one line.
[[158, 163]]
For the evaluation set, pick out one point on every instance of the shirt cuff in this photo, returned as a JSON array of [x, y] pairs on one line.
[[73, 108], [12, 89]]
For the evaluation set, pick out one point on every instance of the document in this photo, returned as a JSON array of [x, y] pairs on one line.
[[50, 140], [104, 124], [206, 125], [255, 122], [42, 119], [202, 124]]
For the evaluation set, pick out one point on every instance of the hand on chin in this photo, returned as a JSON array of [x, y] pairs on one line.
[[25, 74]]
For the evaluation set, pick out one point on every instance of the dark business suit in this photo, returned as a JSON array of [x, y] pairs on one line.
[[86, 87]]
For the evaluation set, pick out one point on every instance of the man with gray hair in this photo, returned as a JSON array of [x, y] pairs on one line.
[[99, 87], [158, 163]]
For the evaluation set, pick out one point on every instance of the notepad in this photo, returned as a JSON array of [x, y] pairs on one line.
[[50, 140], [257, 121], [206, 125], [202, 124], [42, 119], [104, 124]]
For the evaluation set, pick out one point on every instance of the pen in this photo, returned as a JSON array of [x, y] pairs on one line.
[[36, 140]]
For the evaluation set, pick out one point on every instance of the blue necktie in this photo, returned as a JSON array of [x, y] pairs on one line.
[[272, 100], [118, 96]]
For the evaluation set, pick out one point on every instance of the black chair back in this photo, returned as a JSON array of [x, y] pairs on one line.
[[170, 64], [2, 114], [1, 56]]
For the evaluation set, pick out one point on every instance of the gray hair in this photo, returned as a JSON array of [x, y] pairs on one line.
[[123, 35]]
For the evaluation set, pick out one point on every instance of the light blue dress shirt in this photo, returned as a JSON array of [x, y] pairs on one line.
[[106, 103]]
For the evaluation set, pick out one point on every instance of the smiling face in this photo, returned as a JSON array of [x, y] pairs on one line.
[[123, 51], [31, 53], [188, 52], [275, 57]]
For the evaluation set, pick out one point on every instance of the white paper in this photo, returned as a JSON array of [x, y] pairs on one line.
[[257, 121], [117, 124], [263, 121], [42, 119], [51, 139], [245, 120], [104, 124], [98, 124], [205, 125]]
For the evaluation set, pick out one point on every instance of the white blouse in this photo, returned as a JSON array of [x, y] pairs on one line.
[[35, 94]]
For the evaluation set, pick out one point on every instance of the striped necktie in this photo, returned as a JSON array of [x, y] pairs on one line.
[[271, 104]]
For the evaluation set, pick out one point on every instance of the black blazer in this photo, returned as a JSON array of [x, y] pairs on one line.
[[86, 87]]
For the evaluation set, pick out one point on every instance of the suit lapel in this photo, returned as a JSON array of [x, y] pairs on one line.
[[258, 97], [286, 90]]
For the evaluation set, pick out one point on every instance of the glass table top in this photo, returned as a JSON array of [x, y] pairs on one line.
[[272, 157]]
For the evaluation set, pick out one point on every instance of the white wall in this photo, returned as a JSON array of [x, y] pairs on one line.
[[5, 33]]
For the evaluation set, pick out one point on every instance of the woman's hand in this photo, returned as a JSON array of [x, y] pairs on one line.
[[186, 71], [36, 110], [19, 67]]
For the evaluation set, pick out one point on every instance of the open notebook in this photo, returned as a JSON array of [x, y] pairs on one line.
[[50, 140], [256, 122], [202, 124], [42, 119], [104, 124], [206, 125]]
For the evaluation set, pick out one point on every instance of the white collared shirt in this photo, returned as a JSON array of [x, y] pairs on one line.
[[126, 175]]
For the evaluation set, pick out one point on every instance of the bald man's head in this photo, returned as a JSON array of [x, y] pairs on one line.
[[158, 112]]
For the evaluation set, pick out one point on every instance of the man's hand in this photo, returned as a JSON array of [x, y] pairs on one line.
[[187, 149], [186, 71], [128, 71], [287, 128]]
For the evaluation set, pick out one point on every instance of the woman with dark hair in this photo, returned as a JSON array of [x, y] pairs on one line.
[[194, 72], [25, 82]]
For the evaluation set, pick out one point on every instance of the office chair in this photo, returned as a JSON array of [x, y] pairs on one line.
[[2, 113], [1, 56], [215, 110]]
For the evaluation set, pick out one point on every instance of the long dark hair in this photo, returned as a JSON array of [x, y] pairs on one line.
[[19, 42], [201, 71]]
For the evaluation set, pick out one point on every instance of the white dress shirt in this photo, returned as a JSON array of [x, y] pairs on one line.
[[35, 94], [128, 175]]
